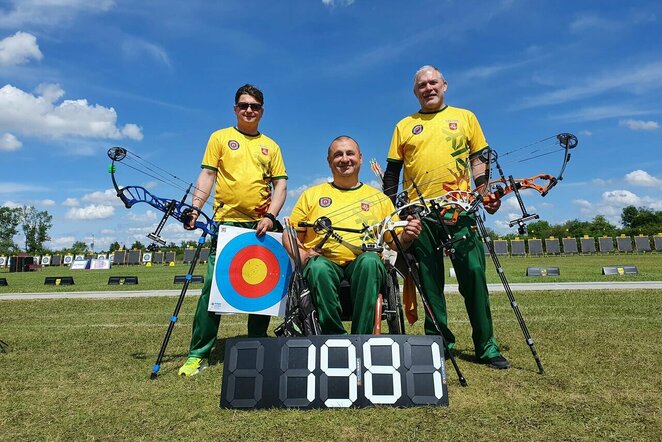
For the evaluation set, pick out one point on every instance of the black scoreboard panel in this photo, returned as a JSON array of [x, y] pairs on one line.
[[334, 372]]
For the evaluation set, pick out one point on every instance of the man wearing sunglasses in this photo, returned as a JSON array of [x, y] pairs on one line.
[[440, 147], [250, 181]]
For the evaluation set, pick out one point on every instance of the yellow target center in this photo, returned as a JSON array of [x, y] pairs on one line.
[[254, 271]]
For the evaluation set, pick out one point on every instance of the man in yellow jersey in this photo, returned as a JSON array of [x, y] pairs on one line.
[[346, 203], [440, 147], [247, 170]]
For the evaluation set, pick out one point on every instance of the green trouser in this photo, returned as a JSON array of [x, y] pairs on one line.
[[205, 323], [469, 264], [366, 275]]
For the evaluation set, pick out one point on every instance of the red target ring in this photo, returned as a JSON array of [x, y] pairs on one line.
[[246, 288]]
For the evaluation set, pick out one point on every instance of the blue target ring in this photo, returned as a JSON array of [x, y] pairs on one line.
[[248, 302]]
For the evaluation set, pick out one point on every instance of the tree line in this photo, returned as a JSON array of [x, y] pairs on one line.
[[36, 224], [635, 221]]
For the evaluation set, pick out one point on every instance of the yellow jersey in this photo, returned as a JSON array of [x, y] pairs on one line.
[[435, 149], [245, 166], [346, 208]]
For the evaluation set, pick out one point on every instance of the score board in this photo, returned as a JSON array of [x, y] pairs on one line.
[[334, 371]]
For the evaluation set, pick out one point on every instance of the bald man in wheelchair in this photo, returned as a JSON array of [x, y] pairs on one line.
[[329, 220]]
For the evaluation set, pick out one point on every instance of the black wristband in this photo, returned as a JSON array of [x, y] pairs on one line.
[[271, 217], [481, 180]]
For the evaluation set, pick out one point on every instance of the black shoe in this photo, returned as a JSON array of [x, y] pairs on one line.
[[498, 362]]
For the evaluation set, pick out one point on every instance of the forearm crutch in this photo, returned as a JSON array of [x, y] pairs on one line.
[[428, 310], [180, 301], [509, 292]]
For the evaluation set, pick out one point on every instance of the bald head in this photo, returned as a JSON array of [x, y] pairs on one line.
[[342, 138], [344, 157]]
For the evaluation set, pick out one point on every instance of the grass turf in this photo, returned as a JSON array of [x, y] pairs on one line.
[[79, 369]]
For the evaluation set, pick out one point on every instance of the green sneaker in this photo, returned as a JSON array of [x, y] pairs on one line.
[[192, 366]]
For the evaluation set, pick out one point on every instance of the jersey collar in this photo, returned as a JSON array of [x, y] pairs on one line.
[[434, 112]]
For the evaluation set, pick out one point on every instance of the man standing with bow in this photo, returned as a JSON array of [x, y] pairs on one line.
[[440, 148], [248, 171]]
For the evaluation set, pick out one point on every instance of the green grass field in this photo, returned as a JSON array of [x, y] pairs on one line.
[[79, 369], [159, 277]]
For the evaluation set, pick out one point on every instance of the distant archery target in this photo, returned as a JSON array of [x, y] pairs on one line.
[[45, 260], [79, 258], [147, 257], [68, 259], [252, 272], [3, 261]]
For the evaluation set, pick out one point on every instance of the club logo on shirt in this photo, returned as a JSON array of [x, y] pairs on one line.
[[325, 201], [452, 125], [365, 207], [417, 129], [232, 144], [265, 151]]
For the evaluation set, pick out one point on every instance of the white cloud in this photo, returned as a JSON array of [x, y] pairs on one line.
[[510, 204], [20, 48], [591, 23], [586, 133], [22, 13], [137, 49], [132, 131], [335, 3], [293, 194], [71, 202], [583, 204], [45, 203], [41, 115], [90, 212], [107, 197], [600, 182], [643, 178], [639, 124], [502, 226], [621, 197], [9, 187], [61, 242], [149, 215], [484, 72], [634, 79], [612, 203], [594, 113], [12, 204], [8, 142]]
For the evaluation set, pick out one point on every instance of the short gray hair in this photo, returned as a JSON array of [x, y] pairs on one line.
[[427, 67]]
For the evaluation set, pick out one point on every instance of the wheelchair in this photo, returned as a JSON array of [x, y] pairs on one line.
[[387, 308]]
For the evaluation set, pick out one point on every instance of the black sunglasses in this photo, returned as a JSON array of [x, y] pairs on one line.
[[244, 106]]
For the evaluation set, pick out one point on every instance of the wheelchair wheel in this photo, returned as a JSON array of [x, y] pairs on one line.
[[293, 324], [393, 306]]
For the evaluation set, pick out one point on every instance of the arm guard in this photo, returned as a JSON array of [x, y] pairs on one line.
[[391, 178]]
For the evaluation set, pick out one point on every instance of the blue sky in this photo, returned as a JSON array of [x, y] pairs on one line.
[[157, 77]]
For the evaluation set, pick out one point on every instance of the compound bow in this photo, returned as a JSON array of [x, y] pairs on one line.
[[177, 209]]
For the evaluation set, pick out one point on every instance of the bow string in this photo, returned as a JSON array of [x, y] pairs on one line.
[[177, 209]]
